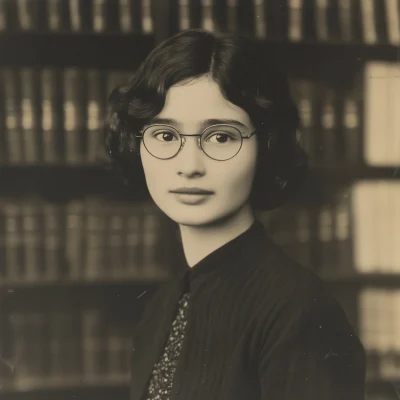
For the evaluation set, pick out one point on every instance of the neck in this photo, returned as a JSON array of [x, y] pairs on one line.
[[200, 241]]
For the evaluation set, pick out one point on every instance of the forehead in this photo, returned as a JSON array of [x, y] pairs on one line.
[[199, 100]]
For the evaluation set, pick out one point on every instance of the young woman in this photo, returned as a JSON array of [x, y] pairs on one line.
[[208, 127]]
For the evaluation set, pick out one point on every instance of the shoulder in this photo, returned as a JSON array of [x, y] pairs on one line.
[[291, 297]]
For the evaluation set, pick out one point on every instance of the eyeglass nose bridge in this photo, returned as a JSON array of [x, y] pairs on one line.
[[183, 141]]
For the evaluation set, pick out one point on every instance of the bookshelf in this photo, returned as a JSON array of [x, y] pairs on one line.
[[61, 52]]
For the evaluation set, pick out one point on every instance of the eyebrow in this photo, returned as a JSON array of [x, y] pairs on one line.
[[203, 125]]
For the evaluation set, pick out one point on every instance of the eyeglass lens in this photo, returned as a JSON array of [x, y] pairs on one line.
[[219, 142]]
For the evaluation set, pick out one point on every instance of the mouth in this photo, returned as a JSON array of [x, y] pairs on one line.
[[192, 191]]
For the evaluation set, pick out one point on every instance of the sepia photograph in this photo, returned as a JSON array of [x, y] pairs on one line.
[[200, 199]]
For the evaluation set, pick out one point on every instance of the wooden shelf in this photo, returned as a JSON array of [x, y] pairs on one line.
[[61, 183], [67, 389], [321, 60], [111, 51], [361, 280]]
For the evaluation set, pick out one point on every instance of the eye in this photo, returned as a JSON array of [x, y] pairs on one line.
[[220, 137], [165, 136]]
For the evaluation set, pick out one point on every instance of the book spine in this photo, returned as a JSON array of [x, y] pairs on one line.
[[75, 15], [3, 248], [368, 21], [54, 16], [95, 240], [134, 242], [184, 16], [50, 117], [27, 14], [95, 113], [75, 241], [260, 19], [207, 13], [32, 237], [321, 20], [304, 93], [393, 21], [303, 236], [115, 353], [4, 26], [397, 229], [14, 242], [232, 16], [93, 344], [364, 228], [30, 101], [53, 242], [147, 18], [343, 232], [115, 243], [345, 19], [125, 16], [12, 116], [295, 26], [327, 245], [74, 119], [351, 126], [328, 142]]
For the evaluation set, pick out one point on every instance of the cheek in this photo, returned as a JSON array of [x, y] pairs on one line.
[[237, 179]]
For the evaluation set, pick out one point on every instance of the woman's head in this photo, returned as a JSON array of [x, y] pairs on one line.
[[190, 78]]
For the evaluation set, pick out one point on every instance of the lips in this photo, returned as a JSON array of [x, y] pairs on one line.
[[193, 190]]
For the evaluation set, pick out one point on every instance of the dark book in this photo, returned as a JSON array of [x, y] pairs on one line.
[[74, 115], [32, 225], [245, 18], [51, 115], [14, 242], [277, 20], [54, 242], [369, 21], [326, 241], [31, 115], [260, 28], [12, 115], [96, 110]]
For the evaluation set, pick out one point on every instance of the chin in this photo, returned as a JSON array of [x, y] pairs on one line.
[[200, 216]]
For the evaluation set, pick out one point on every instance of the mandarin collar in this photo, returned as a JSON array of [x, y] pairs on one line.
[[222, 255]]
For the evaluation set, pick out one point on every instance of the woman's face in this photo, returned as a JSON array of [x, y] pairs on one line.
[[230, 181]]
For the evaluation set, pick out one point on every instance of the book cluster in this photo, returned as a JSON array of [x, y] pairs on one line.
[[64, 348], [330, 21], [54, 115], [87, 240]]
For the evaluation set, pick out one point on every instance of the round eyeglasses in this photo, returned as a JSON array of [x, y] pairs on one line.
[[219, 142]]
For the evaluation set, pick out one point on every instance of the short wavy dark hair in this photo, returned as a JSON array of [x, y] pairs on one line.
[[247, 76]]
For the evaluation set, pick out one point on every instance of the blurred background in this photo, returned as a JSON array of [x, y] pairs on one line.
[[78, 249]]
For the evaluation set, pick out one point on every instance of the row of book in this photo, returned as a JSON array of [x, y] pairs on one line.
[[58, 347], [51, 115], [366, 21], [86, 240], [49, 347], [57, 116], [97, 240], [357, 232], [379, 327], [77, 16]]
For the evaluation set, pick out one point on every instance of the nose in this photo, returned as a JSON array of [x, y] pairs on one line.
[[191, 157]]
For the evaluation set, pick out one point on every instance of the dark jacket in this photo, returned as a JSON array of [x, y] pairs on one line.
[[260, 327]]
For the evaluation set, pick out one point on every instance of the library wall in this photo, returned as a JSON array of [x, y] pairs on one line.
[[78, 248]]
